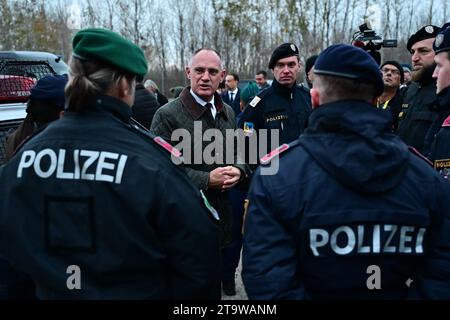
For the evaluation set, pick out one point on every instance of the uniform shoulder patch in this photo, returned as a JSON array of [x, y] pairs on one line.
[[421, 156], [446, 122], [274, 153], [442, 164], [158, 140], [167, 146], [255, 101]]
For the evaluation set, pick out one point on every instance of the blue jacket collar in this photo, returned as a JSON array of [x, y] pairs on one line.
[[283, 90], [114, 106], [349, 116]]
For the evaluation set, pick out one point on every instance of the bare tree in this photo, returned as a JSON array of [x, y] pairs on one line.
[[410, 13], [244, 31], [398, 6], [346, 13], [111, 4], [445, 18], [387, 16], [430, 12]]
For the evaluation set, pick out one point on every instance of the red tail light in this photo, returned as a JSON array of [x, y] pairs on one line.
[[15, 88], [359, 44]]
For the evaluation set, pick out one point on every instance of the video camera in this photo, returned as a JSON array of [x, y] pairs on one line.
[[368, 40]]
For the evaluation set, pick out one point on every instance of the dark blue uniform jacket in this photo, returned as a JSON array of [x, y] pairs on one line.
[[418, 113], [440, 150], [280, 107], [93, 191], [348, 195]]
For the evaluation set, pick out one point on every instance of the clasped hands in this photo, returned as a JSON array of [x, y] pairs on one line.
[[224, 178]]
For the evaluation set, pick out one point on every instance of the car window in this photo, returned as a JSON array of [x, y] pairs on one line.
[[17, 78]]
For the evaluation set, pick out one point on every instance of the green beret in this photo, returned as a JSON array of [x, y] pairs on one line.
[[105, 45]]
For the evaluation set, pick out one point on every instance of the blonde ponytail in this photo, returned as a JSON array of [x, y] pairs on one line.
[[89, 79]]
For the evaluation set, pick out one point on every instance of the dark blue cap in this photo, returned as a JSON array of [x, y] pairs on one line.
[[283, 51], [398, 66], [442, 41], [349, 62], [50, 88]]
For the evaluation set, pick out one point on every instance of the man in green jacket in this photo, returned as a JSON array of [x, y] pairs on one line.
[[191, 116]]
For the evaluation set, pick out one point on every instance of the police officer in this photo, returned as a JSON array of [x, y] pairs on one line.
[[283, 106], [440, 153], [349, 201], [46, 103], [418, 108], [93, 207]]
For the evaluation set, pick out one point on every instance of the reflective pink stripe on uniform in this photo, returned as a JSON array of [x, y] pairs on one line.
[[446, 122], [163, 143], [272, 154]]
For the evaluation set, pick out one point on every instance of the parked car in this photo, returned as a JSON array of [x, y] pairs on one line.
[[19, 72], [55, 62]]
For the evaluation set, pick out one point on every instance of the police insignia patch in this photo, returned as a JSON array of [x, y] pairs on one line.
[[429, 29], [292, 47], [255, 101], [442, 164], [443, 167], [248, 128], [439, 40]]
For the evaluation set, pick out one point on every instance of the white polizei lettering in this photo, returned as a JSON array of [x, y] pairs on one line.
[[76, 161], [419, 240], [102, 164], [120, 168], [351, 240], [376, 239], [92, 157], [53, 163], [26, 161], [392, 228], [48, 162], [60, 174], [404, 239], [314, 242], [361, 248]]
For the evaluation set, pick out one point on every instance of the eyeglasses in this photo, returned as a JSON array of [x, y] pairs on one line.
[[393, 71]]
